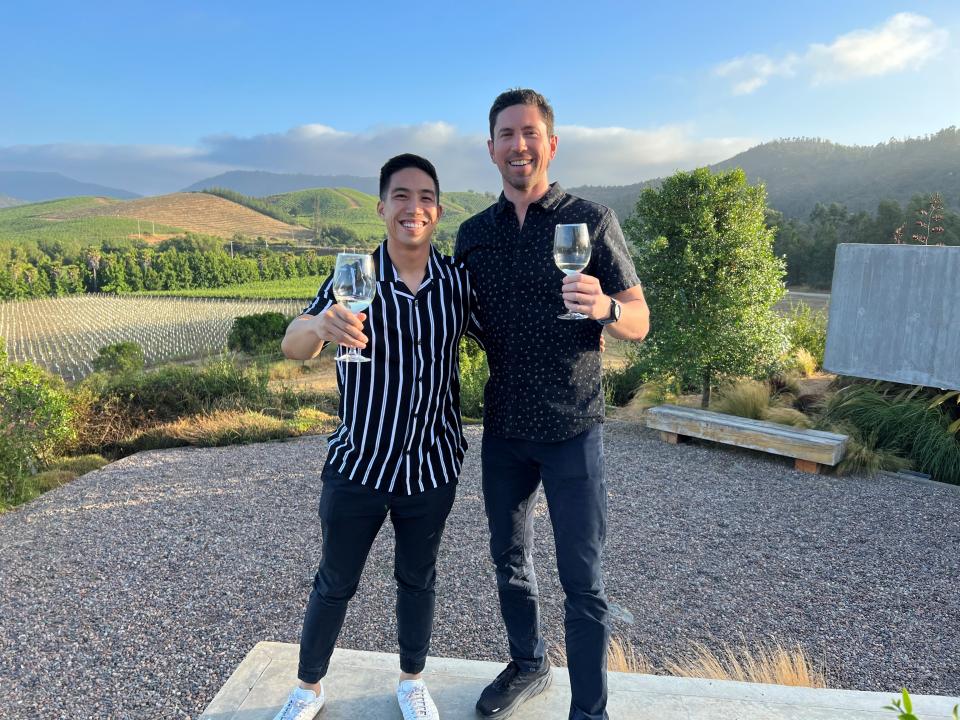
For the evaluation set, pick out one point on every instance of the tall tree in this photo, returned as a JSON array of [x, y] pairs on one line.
[[705, 257]]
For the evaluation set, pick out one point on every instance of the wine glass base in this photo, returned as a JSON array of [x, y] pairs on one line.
[[352, 359], [573, 316]]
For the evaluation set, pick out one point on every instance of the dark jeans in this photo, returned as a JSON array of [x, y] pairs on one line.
[[350, 517], [572, 475]]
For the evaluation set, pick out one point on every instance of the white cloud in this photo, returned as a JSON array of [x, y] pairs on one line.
[[596, 156], [906, 41], [752, 72]]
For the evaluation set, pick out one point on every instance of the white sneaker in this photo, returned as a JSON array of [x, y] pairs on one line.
[[302, 704], [415, 701]]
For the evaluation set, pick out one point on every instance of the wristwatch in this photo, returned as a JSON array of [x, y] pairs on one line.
[[614, 315]]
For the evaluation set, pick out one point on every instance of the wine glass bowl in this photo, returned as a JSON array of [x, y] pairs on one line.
[[354, 287], [571, 253]]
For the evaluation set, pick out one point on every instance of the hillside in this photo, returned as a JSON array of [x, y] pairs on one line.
[[7, 201], [358, 211], [195, 212], [257, 183], [39, 186], [799, 173], [69, 219]]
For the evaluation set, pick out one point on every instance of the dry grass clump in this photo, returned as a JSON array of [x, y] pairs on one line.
[[771, 663], [745, 398], [230, 427]]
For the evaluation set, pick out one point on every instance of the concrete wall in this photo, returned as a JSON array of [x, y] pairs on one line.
[[895, 314]]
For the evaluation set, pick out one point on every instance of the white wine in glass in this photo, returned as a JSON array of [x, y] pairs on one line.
[[354, 287], [571, 253]]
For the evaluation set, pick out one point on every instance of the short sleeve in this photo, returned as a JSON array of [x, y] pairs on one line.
[[612, 263], [323, 300]]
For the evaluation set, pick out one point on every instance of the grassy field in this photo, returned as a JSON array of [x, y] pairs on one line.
[[304, 288]]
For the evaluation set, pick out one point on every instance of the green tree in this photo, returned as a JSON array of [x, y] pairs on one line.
[[121, 357], [35, 420], [705, 257]]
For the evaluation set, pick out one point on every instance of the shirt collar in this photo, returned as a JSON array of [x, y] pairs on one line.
[[548, 201], [387, 271]]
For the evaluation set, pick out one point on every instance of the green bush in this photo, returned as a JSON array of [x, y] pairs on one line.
[[807, 329], [621, 384], [902, 421], [121, 357], [35, 420], [253, 333], [474, 373], [176, 390]]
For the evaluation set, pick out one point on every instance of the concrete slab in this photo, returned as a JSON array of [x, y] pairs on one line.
[[361, 685]]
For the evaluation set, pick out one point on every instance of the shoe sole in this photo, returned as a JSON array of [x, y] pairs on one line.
[[530, 692]]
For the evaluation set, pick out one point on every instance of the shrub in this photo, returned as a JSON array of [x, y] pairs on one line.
[[622, 384], [807, 329], [800, 362], [903, 706], [35, 421], [902, 422], [121, 357], [111, 408], [255, 333], [746, 398], [474, 373]]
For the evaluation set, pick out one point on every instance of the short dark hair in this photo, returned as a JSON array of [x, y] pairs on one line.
[[402, 162], [521, 96]]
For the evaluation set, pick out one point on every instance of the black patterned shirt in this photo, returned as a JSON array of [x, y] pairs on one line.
[[544, 372]]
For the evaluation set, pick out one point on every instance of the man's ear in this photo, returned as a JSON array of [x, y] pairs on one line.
[[380, 209], [553, 145], [490, 150], [439, 212]]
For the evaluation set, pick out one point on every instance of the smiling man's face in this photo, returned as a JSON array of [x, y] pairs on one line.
[[522, 148], [410, 208]]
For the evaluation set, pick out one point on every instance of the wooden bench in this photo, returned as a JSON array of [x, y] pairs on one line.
[[809, 448]]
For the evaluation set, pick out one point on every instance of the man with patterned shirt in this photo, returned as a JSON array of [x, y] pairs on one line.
[[400, 444], [543, 404]]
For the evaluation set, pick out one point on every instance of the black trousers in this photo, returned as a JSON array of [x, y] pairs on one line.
[[571, 472], [350, 517]]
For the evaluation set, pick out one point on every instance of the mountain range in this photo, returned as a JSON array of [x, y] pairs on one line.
[[29, 186], [798, 173], [257, 183], [801, 172]]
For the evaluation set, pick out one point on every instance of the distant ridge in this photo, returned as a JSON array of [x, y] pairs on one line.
[[7, 201], [32, 186], [801, 172], [258, 183]]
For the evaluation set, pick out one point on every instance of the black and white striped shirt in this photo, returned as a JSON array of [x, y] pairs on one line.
[[400, 427]]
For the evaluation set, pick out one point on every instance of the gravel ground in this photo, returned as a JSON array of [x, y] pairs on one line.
[[138, 588]]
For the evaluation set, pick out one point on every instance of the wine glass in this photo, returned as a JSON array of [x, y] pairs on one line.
[[571, 253], [354, 286]]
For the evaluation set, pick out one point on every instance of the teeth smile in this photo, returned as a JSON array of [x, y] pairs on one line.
[[519, 163], [411, 225]]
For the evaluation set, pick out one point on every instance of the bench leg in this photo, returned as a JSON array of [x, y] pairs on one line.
[[669, 437], [807, 466]]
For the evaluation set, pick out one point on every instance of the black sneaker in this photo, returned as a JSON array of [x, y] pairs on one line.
[[511, 689]]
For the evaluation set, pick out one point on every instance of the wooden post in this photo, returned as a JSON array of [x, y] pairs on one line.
[[806, 466], [669, 437]]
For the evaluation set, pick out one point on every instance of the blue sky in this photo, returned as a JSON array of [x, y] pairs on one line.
[[151, 97]]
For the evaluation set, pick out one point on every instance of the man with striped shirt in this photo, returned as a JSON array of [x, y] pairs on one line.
[[400, 444]]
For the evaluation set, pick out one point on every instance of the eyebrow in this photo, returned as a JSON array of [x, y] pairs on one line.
[[431, 191]]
